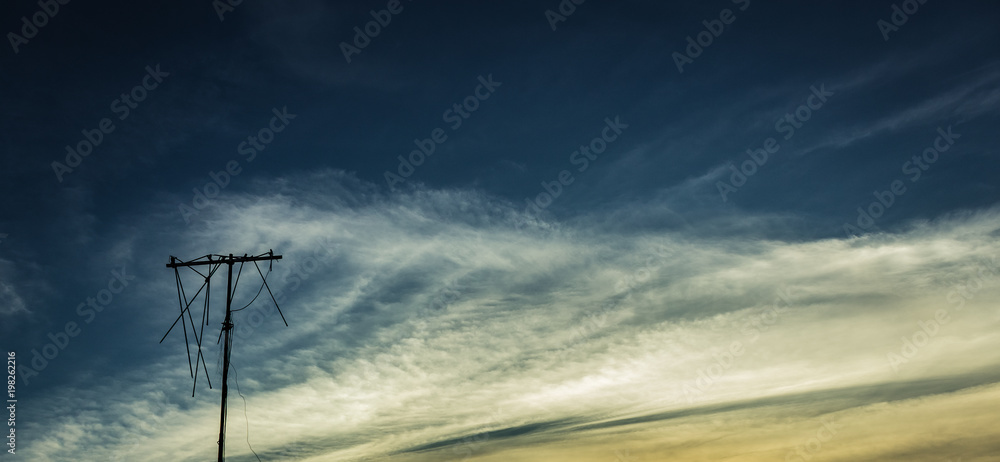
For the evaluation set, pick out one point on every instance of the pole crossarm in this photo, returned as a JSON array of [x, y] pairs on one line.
[[227, 259]]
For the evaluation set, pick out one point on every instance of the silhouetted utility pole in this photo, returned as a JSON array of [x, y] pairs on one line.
[[214, 264]]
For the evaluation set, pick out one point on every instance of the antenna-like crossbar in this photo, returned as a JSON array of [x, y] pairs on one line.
[[214, 262]]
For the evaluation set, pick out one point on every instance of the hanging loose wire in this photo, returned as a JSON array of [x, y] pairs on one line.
[[263, 282], [198, 334], [270, 293], [245, 416], [180, 290]]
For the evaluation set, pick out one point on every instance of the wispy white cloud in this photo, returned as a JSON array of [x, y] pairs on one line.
[[966, 100], [11, 302], [430, 315]]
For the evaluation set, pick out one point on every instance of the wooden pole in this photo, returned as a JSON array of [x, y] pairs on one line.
[[227, 326]]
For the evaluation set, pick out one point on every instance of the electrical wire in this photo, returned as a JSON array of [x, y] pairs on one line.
[[263, 282], [237, 377], [269, 291]]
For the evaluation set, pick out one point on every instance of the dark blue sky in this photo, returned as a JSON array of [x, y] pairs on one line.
[[606, 59], [222, 81]]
